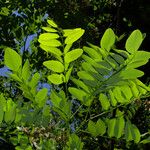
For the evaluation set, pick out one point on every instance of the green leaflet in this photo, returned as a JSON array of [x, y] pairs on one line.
[[118, 95], [91, 61], [140, 58], [68, 73], [67, 48], [2, 107], [80, 95], [1, 114], [48, 36], [108, 39], [131, 73], [119, 59], [54, 65], [138, 82], [34, 81], [85, 75], [15, 77], [10, 112], [134, 89], [134, 41], [2, 102], [92, 129], [112, 98], [98, 128], [88, 67], [104, 101], [73, 55], [135, 134], [74, 143], [52, 23], [74, 35], [132, 132], [12, 59], [50, 43], [56, 78], [92, 53], [26, 71], [55, 98], [52, 50], [127, 92], [136, 64], [111, 127], [145, 141], [119, 127], [69, 31], [81, 84], [49, 29], [128, 134], [41, 96]]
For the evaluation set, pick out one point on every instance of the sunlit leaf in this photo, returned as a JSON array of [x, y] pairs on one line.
[[92, 129], [104, 101], [128, 134], [134, 41], [100, 127], [56, 78], [54, 65], [49, 29], [73, 55], [52, 23], [68, 73], [41, 96], [135, 134], [111, 127], [48, 36], [108, 39], [12, 59], [74, 36], [26, 71], [10, 112], [85, 75], [50, 43], [119, 127], [52, 50]]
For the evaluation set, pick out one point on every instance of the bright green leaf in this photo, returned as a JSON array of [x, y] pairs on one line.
[[74, 36], [10, 112], [49, 29], [92, 129], [52, 23], [104, 101], [54, 65], [48, 36], [73, 55], [108, 39], [56, 78], [134, 41], [26, 71], [50, 43], [119, 127], [12, 59], [41, 96], [100, 127], [111, 127], [52, 50], [68, 73], [131, 73]]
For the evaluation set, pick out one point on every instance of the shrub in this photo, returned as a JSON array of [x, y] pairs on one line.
[[93, 93]]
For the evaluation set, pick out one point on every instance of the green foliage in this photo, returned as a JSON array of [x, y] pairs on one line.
[[91, 89]]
